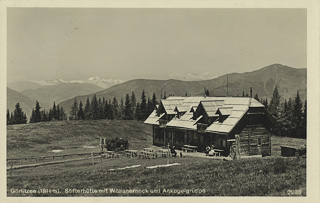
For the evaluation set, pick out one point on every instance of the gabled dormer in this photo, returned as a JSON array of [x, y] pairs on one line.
[[223, 112]]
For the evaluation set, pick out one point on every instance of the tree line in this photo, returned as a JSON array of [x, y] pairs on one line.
[[127, 109], [290, 115]]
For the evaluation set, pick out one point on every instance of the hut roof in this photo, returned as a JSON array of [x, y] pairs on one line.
[[233, 108]]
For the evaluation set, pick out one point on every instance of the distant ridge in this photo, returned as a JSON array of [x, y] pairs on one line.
[[46, 95], [289, 81], [26, 103]]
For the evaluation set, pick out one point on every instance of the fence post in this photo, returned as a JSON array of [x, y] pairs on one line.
[[237, 146]]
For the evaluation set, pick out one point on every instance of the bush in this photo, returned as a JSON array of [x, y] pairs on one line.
[[117, 144]]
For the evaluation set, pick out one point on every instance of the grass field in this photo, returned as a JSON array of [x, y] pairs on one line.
[[268, 176]]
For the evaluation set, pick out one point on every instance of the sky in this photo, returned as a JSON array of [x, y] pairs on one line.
[[151, 43]]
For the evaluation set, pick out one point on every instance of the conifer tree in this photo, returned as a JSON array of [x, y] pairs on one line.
[[32, 117], [87, 110], [54, 111], [154, 99], [150, 107], [94, 108], [58, 113], [143, 106], [100, 109], [8, 117], [115, 108], [138, 114], [44, 116], [164, 95], [128, 113], [19, 116], [121, 114], [256, 97], [63, 115], [37, 115], [74, 110], [274, 106], [81, 112], [133, 102]]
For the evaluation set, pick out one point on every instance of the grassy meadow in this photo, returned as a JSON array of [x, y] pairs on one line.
[[268, 176]]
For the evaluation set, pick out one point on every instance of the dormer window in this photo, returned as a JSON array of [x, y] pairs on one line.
[[224, 113]]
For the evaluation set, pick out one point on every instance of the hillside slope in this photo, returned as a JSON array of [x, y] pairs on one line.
[[263, 81], [46, 95], [26, 103]]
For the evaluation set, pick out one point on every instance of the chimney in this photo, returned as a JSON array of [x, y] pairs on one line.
[[251, 92]]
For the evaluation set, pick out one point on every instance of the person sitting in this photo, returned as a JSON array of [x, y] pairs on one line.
[[211, 152], [173, 152], [207, 150]]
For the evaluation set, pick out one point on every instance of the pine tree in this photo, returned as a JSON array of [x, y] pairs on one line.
[[150, 108], [297, 108], [50, 116], [94, 108], [58, 113], [207, 92], [128, 113], [32, 117], [256, 97], [19, 116], [133, 102], [44, 116], [297, 116], [100, 109], [63, 115], [74, 110], [115, 108], [143, 106], [37, 115], [8, 117], [164, 95], [138, 114], [81, 112], [54, 111], [274, 106], [87, 110], [121, 114]]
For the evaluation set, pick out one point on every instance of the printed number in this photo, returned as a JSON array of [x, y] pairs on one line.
[[294, 192]]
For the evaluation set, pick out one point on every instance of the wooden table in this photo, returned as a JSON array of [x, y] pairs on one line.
[[187, 148], [132, 153], [148, 149], [218, 151]]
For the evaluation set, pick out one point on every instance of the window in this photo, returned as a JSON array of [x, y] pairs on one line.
[[223, 143], [259, 141]]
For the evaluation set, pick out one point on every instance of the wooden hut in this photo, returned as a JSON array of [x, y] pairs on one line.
[[207, 121]]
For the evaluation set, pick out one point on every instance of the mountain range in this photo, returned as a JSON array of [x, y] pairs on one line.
[[263, 81], [100, 82], [47, 95]]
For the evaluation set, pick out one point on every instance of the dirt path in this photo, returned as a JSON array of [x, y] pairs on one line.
[[49, 163]]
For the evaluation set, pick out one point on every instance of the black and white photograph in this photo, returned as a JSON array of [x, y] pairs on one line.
[[158, 102]]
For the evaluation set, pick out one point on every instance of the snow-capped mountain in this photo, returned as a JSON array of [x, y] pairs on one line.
[[101, 82]]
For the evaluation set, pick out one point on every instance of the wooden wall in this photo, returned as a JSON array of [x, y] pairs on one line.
[[255, 140]]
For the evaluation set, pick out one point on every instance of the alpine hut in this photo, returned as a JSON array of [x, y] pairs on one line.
[[207, 121]]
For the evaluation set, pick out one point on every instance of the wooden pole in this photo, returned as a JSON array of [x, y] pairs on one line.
[[237, 146], [168, 154]]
